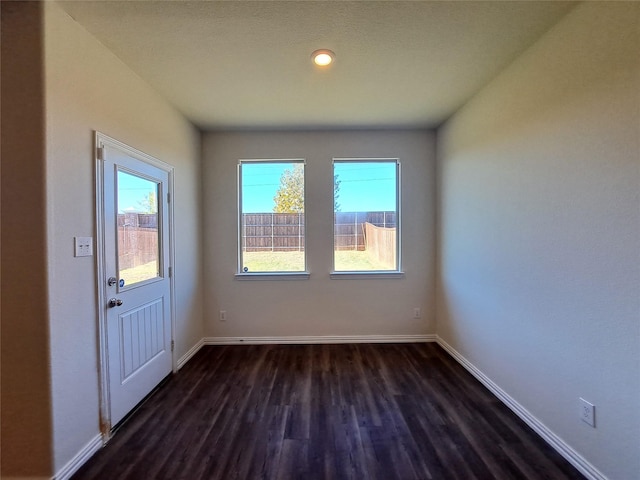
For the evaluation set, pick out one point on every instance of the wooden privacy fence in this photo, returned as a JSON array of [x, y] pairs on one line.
[[349, 230], [381, 244], [137, 239], [284, 232], [273, 232]]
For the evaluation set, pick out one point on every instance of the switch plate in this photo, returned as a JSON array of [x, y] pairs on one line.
[[417, 313], [587, 412], [83, 246], [223, 315]]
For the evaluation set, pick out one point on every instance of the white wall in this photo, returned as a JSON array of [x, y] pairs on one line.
[[539, 274], [319, 306], [88, 89]]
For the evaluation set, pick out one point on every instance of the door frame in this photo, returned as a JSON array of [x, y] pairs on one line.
[[102, 140]]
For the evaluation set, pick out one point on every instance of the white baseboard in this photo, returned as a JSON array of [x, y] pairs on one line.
[[187, 356], [559, 445], [319, 339], [81, 457]]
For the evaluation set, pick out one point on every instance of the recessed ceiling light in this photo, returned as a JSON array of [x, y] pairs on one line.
[[323, 57]]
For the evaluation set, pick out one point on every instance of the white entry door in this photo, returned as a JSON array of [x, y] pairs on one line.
[[136, 293]]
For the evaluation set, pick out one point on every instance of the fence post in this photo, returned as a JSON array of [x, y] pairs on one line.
[[272, 232], [355, 230]]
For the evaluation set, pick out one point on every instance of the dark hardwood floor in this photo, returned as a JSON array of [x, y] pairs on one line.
[[356, 411]]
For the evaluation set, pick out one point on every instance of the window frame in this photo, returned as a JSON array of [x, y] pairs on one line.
[[277, 274], [360, 274]]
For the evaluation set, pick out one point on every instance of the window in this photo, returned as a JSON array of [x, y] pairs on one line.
[[366, 215], [271, 211], [138, 234]]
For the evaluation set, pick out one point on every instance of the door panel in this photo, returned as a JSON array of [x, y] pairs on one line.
[[138, 300], [141, 337]]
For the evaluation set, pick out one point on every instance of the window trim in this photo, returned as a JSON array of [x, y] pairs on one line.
[[364, 274], [276, 274], [273, 275]]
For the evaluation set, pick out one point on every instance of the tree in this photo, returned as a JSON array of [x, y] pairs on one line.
[[149, 204], [290, 195], [336, 195]]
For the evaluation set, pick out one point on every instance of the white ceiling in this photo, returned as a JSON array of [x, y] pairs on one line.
[[246, 64]]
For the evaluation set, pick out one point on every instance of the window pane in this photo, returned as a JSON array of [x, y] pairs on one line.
[[138, 244], [272, 217], [365, 215]]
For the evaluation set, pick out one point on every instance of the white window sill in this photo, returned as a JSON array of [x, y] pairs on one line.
[[273, 276], [366, 275]]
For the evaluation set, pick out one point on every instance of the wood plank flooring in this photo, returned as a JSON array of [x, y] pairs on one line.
[[351, 411]]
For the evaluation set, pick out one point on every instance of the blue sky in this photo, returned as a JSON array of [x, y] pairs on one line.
[[365, 186], [132, 191]]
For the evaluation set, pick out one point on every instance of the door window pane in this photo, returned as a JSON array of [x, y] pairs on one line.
[[138, 233], [365, 235], [271, 216]]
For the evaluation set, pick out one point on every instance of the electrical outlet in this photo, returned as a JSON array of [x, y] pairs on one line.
[[416, 313], [587, 412], [83, 246], [223, 315]]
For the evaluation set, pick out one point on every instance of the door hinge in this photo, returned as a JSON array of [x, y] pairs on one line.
[[168, 198], [173, 345], [170, 272], [100, 153]]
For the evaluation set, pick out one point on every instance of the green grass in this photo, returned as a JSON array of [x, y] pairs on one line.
[[346, 260], [139, 273], [356, 260], [274, 261]]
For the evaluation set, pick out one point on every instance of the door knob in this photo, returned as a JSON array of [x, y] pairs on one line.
[[115, 302]]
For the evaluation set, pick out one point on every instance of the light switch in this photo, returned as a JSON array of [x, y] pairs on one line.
[[84, 246]]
